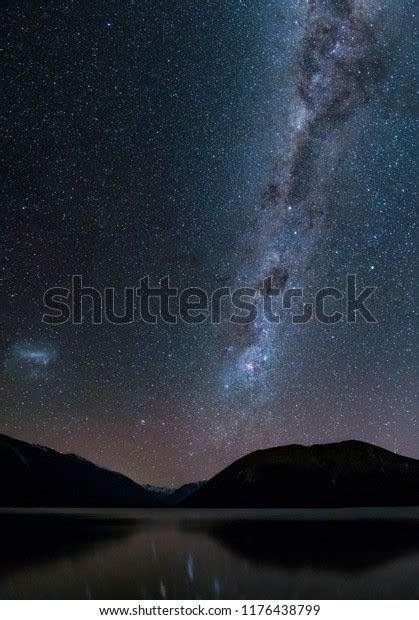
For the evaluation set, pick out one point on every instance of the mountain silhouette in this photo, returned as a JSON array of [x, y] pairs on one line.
[[32, 475], [350, 473]]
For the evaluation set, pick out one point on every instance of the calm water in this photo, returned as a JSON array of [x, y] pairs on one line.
[[135, 554]]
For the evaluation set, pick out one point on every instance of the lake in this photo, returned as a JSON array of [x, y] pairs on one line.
[[209, 554]]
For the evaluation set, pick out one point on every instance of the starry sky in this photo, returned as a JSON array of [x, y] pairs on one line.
[[218, 142]]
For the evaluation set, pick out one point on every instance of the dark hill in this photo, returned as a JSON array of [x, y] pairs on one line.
[[35, 476], [350, 473]]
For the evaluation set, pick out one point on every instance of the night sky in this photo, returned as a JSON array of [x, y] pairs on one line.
[[215, 141]]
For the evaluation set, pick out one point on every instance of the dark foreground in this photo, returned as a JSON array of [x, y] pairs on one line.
[[158, 554]]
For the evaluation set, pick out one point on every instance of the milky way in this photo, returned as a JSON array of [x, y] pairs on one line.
[[338, 66], [217, 143]]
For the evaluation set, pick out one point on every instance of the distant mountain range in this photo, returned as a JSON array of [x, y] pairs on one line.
[[171, 497], [350, 473]]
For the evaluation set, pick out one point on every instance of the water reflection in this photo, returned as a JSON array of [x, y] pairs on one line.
[[179, 554]]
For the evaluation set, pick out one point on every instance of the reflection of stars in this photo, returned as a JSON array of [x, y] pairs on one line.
[[190, 567]]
